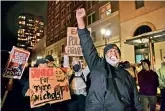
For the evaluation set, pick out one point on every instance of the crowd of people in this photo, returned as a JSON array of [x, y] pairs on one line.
[[105, 84]]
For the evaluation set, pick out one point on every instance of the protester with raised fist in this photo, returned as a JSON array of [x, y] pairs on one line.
[[112, 88]]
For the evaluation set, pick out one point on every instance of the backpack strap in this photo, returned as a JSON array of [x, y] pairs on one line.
[[83, 77], [71, 78]]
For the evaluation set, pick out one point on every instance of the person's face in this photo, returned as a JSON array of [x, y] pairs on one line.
[[43, 65], [144, 65], [113, 54], [60, 75]]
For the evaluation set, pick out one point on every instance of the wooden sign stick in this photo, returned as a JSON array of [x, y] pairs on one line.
[[6, 93]]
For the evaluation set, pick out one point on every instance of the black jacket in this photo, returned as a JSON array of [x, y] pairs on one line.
[[112, 89]]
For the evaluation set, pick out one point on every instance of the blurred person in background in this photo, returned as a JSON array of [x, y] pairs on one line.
[[161, 74], [148, 83]]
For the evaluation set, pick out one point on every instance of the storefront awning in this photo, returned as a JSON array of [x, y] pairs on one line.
[[154, 36]]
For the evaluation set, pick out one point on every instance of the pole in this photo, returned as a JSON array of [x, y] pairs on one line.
[[9, 83], [151, 53], [6, 93]]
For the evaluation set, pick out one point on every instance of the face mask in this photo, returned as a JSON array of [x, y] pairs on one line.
[[112, 62], [76, 67]]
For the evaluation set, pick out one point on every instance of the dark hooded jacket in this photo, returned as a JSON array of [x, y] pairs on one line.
[[111, 89]]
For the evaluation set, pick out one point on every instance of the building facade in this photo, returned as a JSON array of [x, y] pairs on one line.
[[124, 19], [139, 17], [30, 30], [38, 50], [60, 15], [103, 15]]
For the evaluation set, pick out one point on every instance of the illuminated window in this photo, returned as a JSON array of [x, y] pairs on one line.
[[105, 11], [38, 34], [91, 18], [41, 23], [38, 40]]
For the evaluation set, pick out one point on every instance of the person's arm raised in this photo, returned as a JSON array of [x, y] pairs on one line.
[[89, 51]]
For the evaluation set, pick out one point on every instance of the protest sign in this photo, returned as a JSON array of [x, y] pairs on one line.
[[73, 42], [16, 63], [49, 85]]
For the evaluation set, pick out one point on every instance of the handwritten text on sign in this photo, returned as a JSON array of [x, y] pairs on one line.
[[73, 42], [16, 63], [49, 86]]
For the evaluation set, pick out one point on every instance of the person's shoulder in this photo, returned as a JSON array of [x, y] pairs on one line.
[[98, 65], [153, 72]]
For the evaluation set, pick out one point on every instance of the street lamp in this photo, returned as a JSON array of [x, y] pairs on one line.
[[106, 34], [39, 57]]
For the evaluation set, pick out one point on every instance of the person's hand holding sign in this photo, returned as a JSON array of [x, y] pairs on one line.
[[29, 92], [66, 50], [80, 14]]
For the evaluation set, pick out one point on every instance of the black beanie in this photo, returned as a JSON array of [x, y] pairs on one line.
[[110, 46], [40, 61], [146, 61]]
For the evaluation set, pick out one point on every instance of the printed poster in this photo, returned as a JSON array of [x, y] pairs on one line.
[[16, 63], [49, 85], [73, 42]]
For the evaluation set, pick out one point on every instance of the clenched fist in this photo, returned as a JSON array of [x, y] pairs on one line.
[[80, 14]]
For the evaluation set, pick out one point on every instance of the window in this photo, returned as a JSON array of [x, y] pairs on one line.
[[91, 18], [142, 51], [105, 11], [56, 28], [57, 18], [62, 24], [89, 4], [93, 3], [63, 48], [69, 19], [142, 29], [51, 52], [139, 4], [62, 34], [75, 3], [69, 7], [22, 22], [62, 13], [57, 9]]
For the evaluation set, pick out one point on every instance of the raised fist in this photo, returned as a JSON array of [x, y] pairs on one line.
[[80, 13]]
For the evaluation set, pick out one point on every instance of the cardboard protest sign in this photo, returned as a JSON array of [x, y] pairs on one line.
[[73, 42], [16, 63], [49, 85]]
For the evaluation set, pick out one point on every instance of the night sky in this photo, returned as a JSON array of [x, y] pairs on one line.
[[10, 11]]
